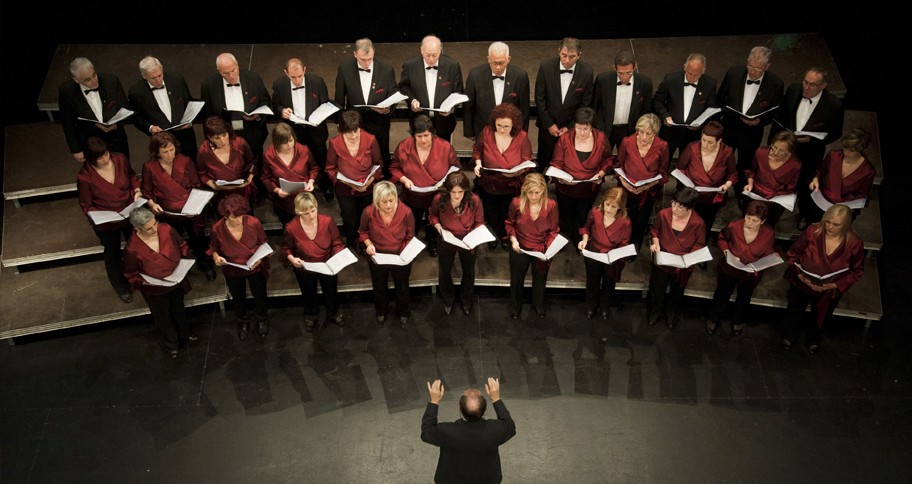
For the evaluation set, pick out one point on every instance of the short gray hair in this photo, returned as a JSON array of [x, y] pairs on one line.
[[429, 37], [819, 70], [499, 47], [139, 217], [364, 45], [226, 54], [696, 56], [761, 54], [148, 63], [80, 64], [382, 190]]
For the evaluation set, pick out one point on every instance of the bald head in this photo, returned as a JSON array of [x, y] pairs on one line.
[[430, 49], [472, 405], [227, 67]]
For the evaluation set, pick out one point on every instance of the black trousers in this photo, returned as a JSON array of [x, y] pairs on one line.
[[169, 316], [315, 140], [308, 283], [796, 317], [237, 287], [573, 213], [284, 217], [254, 133], [351, 208], [421, 220], [659, 280], [639, 220], [113, 257], [724, 289], [743, 139], [495, 207], [381, 131], [678, 137], [599, 287], [445, 258], [519, 265], [617, 133], [380, 280], [196, 238], [546, 144], [708, 212]]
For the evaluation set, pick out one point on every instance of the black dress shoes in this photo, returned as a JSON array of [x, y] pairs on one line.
[[514, 314], [604, 315], [126, 297], [381, 318], [402, 321], [432, 250], [737, 331], [263, 328], [674, 321], [329, 193], [539, 312], [710, 330], [173, 354], [210, 275], [243, 330], [337, 319], [786, 344], [506, 245], [590, 314], [467, 310], [813, 349], [492, 246], [309, 324], [193, 338], [447, 308]]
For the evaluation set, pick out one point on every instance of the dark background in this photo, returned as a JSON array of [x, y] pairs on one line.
[[860, 41]]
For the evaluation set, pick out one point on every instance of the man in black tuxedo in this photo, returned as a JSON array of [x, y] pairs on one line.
[[621, 97], [428, 79], [233, 92], [301, 94], [809, 107], [681, 98], [491, 84], [468, 447], [91, 95], [748, 90], [365, 80], [563, 85], [160, 100]]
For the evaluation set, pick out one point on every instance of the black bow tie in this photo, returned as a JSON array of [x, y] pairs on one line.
[[749, 82], [235, 85], [622, 84], [687, 84], [364, 70], [431, 67], [566, 71], [86, 91], [810, 101], [498, 77], [299, 87]]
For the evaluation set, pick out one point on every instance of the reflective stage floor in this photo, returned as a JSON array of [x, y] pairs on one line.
[[105, 404]]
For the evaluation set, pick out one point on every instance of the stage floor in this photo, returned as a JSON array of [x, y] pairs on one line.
[[105, 404]]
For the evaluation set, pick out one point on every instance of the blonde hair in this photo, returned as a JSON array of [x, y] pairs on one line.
[[533, 180], [649, 121], [838, 210], [619, 195], [382, 190], [304, 201]]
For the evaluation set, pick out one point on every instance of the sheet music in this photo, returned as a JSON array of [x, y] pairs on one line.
[[812, 134], [477, 236], [563, 175], [121, 115], [622, 174], [761, 264], [317, 116], [787, 200], [710, 112], [334, 265], [106, 216], [449, 103], [195, 203], [521, 166], [264, 109], [405, 257], [825, 204], [435, 187], [613, 255], [180, 272], [827, 276], [262, 251], [687, 181], [190, 113], [395, 98], [290, 186], [341, 177], [556, 245], [751, 116], [225, 183], [687, 260]]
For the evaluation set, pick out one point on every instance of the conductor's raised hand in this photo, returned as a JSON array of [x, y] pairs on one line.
[[493, 389], [436, 390]]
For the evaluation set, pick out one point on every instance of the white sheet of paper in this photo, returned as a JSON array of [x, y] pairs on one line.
[[121, 115], [225, 183], [477, 236], [827, 276], [687, 181], [436, 186], [195, 203], [685, 261], [106, 216], [710, 112], [264, 109], [341, 177], [180, 272], [317, 116], [812, 134], [521, 166], [761, 264], [449, 103], [290, 186], [563, 175], [613, 255], [405, 257], [622, 174], [334, 265], [787, 201], [556, 245], [825, 204], [262, 251], [395, 98], [752, 116], [190, 113]]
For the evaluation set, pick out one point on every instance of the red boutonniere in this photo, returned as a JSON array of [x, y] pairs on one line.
[[179, 100], [640, 100], [252, 100], [764, 103], [445, 84], [512, 94], [111, 104], [818, 125], [703, 101], [579, 90], [314, 96], [378, 91]]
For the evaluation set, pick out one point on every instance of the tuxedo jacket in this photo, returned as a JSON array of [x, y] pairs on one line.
[[480, 89], [551, 109], [255, 95], [827, 116], [317, 94], [413, 82], [669, 98], [731, 93], [73, 105], [606, 95], [348, 89], [148, 113]]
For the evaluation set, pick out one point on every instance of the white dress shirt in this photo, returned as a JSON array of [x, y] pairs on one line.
[[234, 101], [622, 103], [430, 79], [499, 87], [750, 93], [689, 93], [94, 100], [299, 99], [805, 110], [161, 97], [365, 80], [565, 80]]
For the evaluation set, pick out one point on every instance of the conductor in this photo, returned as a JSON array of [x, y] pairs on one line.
[[468, 447]]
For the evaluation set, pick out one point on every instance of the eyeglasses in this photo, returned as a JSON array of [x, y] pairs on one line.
[[583, 129], [776, 151], [676, 205], [504, 128], [811, 84], [498, 64]]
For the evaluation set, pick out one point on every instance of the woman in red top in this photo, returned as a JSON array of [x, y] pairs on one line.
[[748, 240], [106, 181], [709, 163], [386, 228], [167, 179], [775, 172], [822, 249], [155, 250], [225, 157], [532, 224], [313, 237], [458, 211], [677, 230], [845, 174], [607, 228], [642, 156], [353, 154], [235, 238], [422, 160], [291, 161], [502, 144], [585, 154]]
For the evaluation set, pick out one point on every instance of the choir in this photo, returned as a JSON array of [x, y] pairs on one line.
[[606, 156]]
